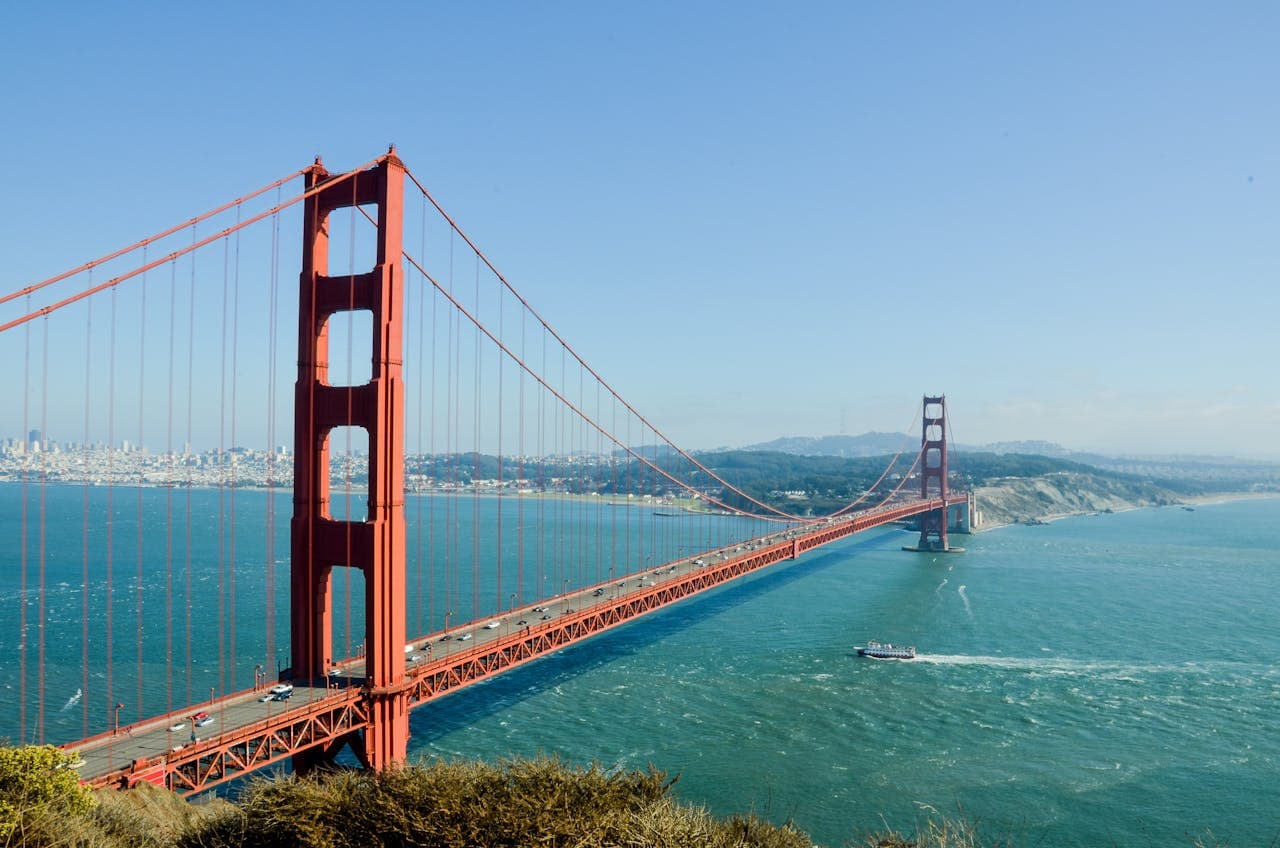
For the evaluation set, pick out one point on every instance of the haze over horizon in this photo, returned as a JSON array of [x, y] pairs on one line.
[[753, 223]]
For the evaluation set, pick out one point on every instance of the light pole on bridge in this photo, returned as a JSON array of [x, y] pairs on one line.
[[116, 722]]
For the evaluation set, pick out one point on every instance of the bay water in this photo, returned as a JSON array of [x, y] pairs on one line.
[[1102, 680]]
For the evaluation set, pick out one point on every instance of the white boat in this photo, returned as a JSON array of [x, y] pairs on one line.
[[887, 651]]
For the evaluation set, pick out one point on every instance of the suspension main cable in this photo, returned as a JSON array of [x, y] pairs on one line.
[[569, 348], [906, 436], [195, 245], [34, 287], [781, 516]]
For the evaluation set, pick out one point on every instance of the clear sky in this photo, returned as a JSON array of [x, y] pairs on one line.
[[754, 219]]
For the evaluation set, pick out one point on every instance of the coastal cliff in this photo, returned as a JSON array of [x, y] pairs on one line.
[[1013, 500]]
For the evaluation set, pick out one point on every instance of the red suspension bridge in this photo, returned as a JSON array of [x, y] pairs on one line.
[[468, 494]]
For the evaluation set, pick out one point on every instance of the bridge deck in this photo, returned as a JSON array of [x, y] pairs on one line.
[[249, 730]]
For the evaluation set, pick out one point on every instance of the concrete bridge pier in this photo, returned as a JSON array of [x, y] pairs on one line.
[[960, 517]]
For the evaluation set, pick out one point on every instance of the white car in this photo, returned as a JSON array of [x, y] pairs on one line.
[[281, 688], [464, 637], [174, 728], [493, 625]]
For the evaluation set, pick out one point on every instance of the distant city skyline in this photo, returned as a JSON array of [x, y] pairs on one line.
[[14, 445], [779, 221]]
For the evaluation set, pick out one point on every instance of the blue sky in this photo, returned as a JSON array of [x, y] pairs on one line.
[[754, 219]]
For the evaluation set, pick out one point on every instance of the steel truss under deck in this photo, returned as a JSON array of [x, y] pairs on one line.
[[326, 725]]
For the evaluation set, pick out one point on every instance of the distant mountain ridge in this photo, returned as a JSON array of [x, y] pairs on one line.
[[867, 444], [1217, 469]]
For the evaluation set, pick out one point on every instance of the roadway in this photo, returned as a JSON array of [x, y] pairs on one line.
[[109, 752], [109, 755]]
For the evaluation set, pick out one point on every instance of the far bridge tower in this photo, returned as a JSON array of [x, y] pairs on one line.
[[933, 477]]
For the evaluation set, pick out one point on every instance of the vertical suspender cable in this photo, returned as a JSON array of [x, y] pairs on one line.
[[627, 486], [109, 601], [419, 494], [44, 483], [540, 584], [222, 471], [476, 473], [455, 404], [520, 471], [139, 576], [641, 522], [501, 391], [84, 519], [562, 474], [434, 467], [231, 530], [168, 498], [269, 644], [613, 493], [22, 537], [587, 557], [450, 563], [191, 346], [600, 458]]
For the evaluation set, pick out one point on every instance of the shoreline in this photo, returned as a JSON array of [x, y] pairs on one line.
[[1191, 501]]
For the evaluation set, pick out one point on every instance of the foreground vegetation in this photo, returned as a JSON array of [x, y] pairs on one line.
[[514, 803]]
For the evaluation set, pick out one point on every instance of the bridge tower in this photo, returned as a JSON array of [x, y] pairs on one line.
[[933, 474], [319, 542]]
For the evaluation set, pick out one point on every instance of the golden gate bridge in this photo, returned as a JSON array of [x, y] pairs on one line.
[[468, 493]]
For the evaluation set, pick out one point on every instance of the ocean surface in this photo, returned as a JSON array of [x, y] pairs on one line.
[[1103, 680]]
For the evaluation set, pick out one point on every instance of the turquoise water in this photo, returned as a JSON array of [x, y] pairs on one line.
[[219, 561], [1104, 680], [1110, 679]]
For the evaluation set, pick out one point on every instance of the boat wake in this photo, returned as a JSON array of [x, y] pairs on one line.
[[1110, 669], [72, 701], [967, 609]]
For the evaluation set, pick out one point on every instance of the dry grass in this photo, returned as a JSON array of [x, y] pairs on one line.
[[473, 805], [539, 803]]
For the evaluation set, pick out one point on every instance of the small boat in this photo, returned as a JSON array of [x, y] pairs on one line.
[[888, 651]]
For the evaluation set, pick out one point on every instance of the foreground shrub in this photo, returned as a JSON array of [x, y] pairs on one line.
[[466, 805], [39, 794]]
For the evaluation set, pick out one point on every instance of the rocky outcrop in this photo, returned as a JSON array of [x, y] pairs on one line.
[[1029, 500]]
